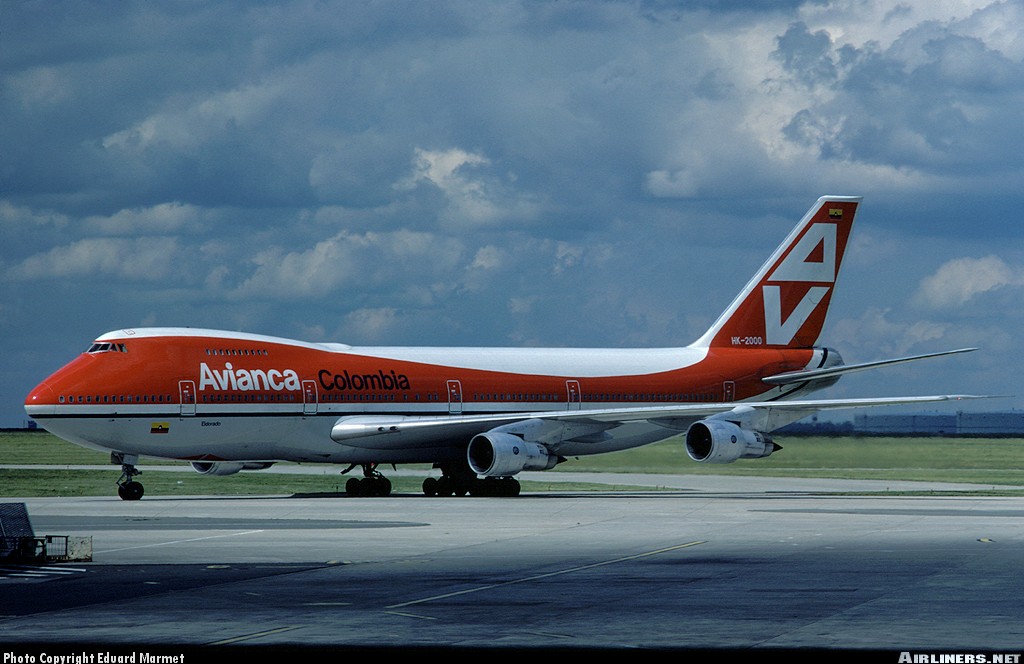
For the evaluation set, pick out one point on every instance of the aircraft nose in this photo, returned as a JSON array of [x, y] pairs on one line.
[[41, 400]]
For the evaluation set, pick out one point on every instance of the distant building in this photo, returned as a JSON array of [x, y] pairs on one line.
[[869, 423], [990, 423], [934, 424]]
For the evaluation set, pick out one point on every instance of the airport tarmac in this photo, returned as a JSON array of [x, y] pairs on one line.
[[704, 562]]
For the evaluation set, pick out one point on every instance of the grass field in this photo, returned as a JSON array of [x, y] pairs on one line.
[[981, 461]]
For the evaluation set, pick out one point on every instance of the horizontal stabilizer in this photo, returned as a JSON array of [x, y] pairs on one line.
[[834, 372]]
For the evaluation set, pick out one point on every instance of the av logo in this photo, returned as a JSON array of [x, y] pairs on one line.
[[811, 260], [813, 257]]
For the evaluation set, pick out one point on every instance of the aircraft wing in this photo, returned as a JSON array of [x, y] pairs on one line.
[[547, 427]]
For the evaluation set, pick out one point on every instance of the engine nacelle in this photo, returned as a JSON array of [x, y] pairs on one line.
[[497, 454], [221, 468], [718, 441]]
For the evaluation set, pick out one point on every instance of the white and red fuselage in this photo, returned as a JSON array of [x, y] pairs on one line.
[[194, 395]]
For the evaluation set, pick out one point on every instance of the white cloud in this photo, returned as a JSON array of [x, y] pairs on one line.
[[13, 216], [875, 335], [160, 218], [521, 305], [883, 22], [143, 259], [186, 129], [365, 261], [310, 273], [487, 258], [567, 256], [475, 197], [960, 280], [374, 323], [682, 183]]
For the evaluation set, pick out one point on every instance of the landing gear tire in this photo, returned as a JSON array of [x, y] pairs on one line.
[[445, 487], [131, 490], [383, 486], [459, 481], [127, 487], [372, 484]]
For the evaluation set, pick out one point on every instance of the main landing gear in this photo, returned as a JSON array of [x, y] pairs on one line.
[[456, 480], [372, 483], [128, 488], [460, 480]]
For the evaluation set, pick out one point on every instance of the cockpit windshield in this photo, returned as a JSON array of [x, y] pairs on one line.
[[98, 347]]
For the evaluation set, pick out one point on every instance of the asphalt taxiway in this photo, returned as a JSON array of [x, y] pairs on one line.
[[701, 563]]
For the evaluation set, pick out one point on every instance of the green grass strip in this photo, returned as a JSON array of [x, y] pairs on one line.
[[985, 462]]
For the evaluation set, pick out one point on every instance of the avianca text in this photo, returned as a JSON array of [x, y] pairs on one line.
[[244, 380]]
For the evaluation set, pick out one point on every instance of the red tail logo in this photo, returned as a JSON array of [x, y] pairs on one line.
[[811, 261], [786, 301]]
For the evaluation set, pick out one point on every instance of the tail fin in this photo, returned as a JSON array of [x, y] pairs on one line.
[[784, 304]]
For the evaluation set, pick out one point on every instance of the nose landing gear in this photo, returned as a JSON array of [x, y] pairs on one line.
[[128, 488]]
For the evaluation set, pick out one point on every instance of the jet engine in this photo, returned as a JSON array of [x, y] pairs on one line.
[[221, 468], [719, 441], [498, 454]]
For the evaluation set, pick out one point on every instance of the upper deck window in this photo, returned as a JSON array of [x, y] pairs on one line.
[[238, 351]]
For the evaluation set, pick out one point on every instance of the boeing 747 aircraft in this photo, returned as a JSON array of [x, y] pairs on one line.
[[228, 401]]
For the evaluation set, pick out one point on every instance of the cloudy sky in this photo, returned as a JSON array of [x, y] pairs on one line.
[[509, 173]]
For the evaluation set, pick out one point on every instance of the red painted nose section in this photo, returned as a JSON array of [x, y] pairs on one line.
[[41, 400]]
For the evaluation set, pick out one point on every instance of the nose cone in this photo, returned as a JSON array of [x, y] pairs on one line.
[[41, 400], [73, 378]]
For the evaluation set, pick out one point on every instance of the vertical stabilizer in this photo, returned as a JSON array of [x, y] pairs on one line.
[[784, 304]]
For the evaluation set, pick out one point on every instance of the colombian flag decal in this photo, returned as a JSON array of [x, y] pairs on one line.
[[835, 213], [159, 427]]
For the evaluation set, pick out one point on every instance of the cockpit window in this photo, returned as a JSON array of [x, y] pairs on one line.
[[98, 347]]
